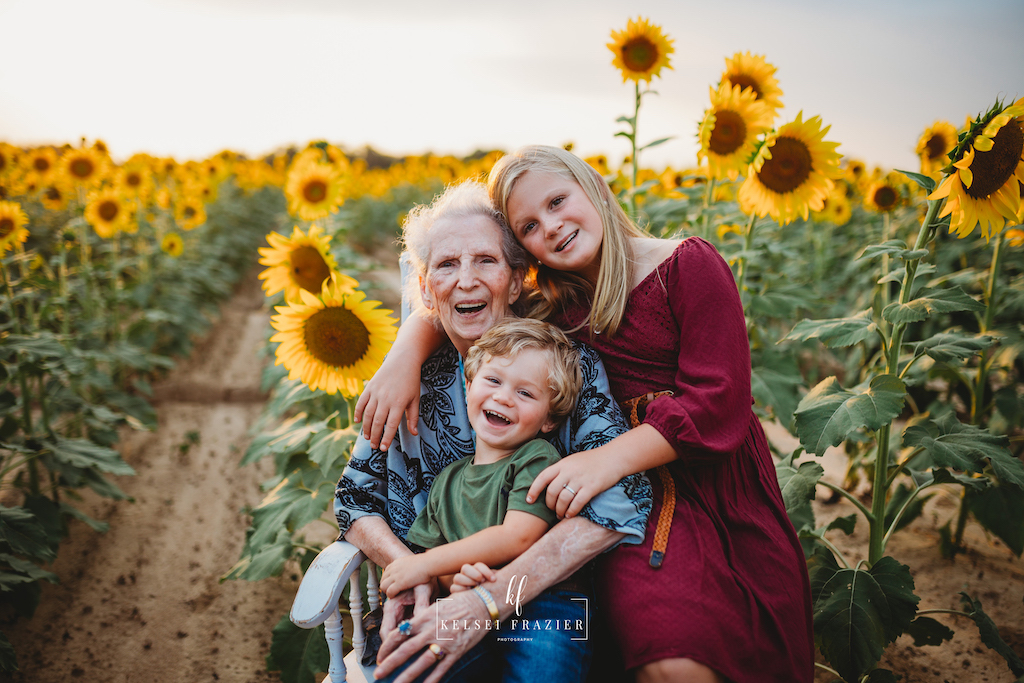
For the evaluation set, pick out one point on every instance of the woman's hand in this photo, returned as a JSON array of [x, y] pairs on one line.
[[472, 575], [397, 648], [404, 573], [574, 480], [394, 390], [398, 608]]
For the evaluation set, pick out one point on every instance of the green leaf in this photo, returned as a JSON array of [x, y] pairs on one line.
[[659, 141], [881, 676], [894, 248], [39, 346], [1000, 509], [829, 413], [95, 525], [900, 496], [944, 476], [927, 631], [263, 563], [298, 653], [291, 504], [990, 634], [330, 448], [29, 571], [897, 274], [25, 534], [835, 332], [797, 483], [86, 454], [845, 524], [775, 390], [858, 612], [949, 346], [964, 447], [8, 660], [931, 301], [926, 183]]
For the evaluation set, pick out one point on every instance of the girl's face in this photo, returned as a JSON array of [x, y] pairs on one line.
[[554, 219]]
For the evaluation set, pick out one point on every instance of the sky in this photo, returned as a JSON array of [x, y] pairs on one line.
[[189, 78]]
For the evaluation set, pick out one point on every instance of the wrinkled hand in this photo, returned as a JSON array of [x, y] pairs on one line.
[[405, 605], [472, 575], [404, 573], [586, 474], [397, 648], [394, 390]]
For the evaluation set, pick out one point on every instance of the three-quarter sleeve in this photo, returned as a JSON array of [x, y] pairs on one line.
[[595, 421], [708, 415]]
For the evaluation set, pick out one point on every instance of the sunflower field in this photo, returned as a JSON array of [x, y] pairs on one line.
[[884, 310]]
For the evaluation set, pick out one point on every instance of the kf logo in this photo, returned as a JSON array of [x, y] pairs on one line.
[[515, 594]]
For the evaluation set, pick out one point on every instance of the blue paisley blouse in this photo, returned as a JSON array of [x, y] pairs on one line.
[[394, 484]]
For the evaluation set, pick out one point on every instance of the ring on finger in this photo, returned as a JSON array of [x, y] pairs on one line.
[[405, 628], [570, 489], [436, 650]]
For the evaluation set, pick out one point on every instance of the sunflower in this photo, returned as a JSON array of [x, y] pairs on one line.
[[313, 190], [728, 134], [883, 195], [641, 51], [836, 208], [12, 225], [41, 165], [303, 261], [333, 341], [172, 244], [988, 169], [752, 71], [54, 197], [1015, 236], [935, 143], [107, 212], [792, 172], [83, 167], [189, 212], [135, 180], [599, 163], [163, 198], [728, 228], [9, 156]]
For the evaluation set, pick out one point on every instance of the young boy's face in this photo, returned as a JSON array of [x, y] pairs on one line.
[[509, 399]]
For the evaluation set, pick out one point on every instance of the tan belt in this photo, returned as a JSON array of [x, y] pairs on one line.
[[636, 410]]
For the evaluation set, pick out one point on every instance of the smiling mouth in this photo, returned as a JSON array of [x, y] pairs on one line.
[[470, 308], [567, 240], [497, 418]]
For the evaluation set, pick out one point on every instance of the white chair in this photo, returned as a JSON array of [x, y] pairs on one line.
[[316, 602]]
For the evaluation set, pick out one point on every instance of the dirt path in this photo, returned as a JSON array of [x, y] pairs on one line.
[[143, 602]]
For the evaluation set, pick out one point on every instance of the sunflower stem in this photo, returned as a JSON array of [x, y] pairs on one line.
[[884, 287], [633, 160], [981, 381], [741, 269], [62, 284]]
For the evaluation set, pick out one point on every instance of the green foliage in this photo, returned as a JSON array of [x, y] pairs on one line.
[[964, 447], [298, 654], [829, 413], [990, 634], [927, 631], [931, 301]]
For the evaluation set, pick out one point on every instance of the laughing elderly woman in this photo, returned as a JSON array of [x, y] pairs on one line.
[[470, 275]]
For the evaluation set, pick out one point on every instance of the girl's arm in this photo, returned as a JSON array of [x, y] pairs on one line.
[[493, 546], [395, 388], [591, 472]]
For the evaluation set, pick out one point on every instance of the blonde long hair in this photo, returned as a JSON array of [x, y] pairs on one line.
[[556, 289]]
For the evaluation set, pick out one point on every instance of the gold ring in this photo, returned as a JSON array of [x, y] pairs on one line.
[[436, 650]]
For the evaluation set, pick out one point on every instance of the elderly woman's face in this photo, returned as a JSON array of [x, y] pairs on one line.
[[468, 283]]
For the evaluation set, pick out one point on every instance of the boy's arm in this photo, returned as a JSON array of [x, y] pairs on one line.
[[494, 546]]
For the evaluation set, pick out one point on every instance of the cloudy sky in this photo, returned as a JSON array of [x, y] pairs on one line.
[[192, 77]]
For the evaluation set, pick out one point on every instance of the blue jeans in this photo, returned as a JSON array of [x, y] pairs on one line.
[[549, 642]]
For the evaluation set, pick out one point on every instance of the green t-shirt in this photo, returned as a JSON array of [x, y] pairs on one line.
[[466, 498]]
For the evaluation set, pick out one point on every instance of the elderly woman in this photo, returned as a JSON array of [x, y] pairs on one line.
[[470, 274]]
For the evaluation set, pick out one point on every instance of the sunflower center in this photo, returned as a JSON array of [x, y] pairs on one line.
[[729, 133], [993, 168], [108, 210], [81, 168], [133, 179], [936, 147], [789, 166], [639, 54], [189, 213], [53, 194], [885, 197], [314, 191], [41, 164], [336, 336], [745, 81], [309, 270], [6, 226]]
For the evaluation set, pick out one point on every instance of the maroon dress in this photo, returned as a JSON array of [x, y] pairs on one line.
[[732, 592]]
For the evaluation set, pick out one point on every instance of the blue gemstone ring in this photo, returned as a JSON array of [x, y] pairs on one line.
[[405, 628]]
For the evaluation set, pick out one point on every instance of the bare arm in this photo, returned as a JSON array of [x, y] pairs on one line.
[[374, 537], [395, 388], [559, 553], [493, 546]]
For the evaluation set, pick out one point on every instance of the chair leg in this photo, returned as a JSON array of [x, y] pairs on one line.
[[355, 605], [334, 633]]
